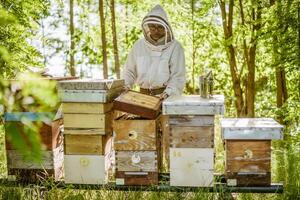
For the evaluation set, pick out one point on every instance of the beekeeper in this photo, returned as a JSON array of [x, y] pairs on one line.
[[156, 62]]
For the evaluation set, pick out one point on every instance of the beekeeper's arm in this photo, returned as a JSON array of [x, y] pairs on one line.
[[177, 79]]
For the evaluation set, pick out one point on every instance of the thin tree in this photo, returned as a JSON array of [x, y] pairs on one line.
[[114, 33], [281, 90], [103, 39], [227, 22], [193, 45], [244, 103], [72, 46]]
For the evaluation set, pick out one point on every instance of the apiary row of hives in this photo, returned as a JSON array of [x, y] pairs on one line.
[[183, 134]]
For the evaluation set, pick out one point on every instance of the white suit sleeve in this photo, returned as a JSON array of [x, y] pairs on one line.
[[129, 73], [177, 79]]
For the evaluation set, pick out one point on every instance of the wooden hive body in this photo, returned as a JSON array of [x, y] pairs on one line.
[[248, 150], [248, 162], [49, 131], [51, 165], [85, 169], [191, 131], [191, 166], [136, 134], [137, 145]]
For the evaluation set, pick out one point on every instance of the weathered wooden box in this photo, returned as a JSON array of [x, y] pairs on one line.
[[90, 96], [102, 122], [85, 169], [49, 132], [248, 162], [50, 167], [86, 108], [136, 134], [89, 90], [137, 167], [91, 84], [83, 144], [138, 104], [136, 178], [193, 105], [137, 161], [188, 131], [248, 150], [191, 167]]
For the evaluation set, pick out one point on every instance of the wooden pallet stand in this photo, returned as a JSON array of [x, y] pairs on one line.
[[248, 150]]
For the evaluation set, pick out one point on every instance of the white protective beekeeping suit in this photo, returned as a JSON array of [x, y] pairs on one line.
[[158, 64]]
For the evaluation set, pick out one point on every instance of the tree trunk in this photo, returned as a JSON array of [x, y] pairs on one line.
[[281, 91], [103, 39], [227, 28], [126, 25], [193, 47], [72, 46], [256, 17], [114, 33], [43, 44]]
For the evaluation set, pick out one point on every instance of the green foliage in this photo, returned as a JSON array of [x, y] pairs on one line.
[[25, 95], [19, 21]]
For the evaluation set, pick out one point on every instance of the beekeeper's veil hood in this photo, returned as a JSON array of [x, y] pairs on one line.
[[157, 16]]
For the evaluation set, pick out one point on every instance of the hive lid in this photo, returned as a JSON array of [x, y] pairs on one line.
[[146, 106], [90, 84], [193, 105], [251, 128]]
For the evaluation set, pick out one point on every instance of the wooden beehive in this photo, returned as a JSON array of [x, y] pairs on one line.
[[248, 150], [191, 167], [49, 131], [136, 134], [146, 106]]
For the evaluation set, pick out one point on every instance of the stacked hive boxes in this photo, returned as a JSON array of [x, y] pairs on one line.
[[137, 140], [248, 150], [51, 138], [191, 132], [87, 123]]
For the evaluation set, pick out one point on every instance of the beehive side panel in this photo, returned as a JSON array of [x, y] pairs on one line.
[[83, 144], [135, 134]]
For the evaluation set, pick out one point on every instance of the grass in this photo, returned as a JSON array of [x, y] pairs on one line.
[[285, 165]]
